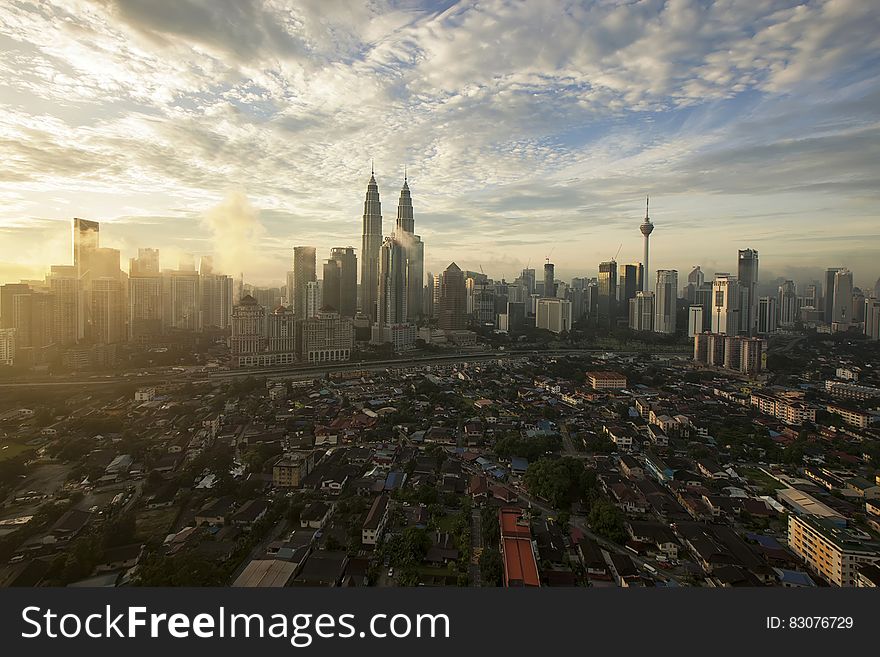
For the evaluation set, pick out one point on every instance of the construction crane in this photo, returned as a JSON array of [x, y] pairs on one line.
[[614, 259]]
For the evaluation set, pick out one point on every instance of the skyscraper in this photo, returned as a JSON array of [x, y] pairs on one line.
[[830, 273], [767, 320], [304, 265], [695, 280], [215, 291], [646, 229], [371, 243], [86, 240], [144, 294], [872, 318], [346, 261], [725, 304], [414, 250], [747, 272], [64, 287], [695, 320], [181, 299], [841, 314], [607, 310], [641, 311], [665, 301], [549, 284], [553, 315], [787, 304], [452, 302], [392, 318], [331, 286], [629, 281]]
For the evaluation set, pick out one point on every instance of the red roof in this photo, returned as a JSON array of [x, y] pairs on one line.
[[512, 525], [520, 568]]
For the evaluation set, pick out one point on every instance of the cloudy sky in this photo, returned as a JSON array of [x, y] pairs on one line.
[[244, 127]]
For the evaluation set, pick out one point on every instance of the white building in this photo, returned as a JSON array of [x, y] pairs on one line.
[[327, 337], [664, 300], [553, 314], [725, 304], [7, 346]]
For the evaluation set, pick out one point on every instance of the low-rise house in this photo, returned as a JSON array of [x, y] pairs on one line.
[[250, 513]]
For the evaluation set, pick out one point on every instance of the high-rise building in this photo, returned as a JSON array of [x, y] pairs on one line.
[[8, 293], [725, 304], [646, 229], [414, 250], [216, 300], [145, 306], [371, 243], [107, 310], [392, 317], [314, 298], [695, 280], [29, 316], [787, 304], [281, 335], [830, 273], [665, 300], [703, 296], [7, 346], [304, 264], [607, 294], [553, 315], [340, 281], [695, 320], [64, 288], [549, 282], [327, 337], [452, 301], [747, 273], [249, 334], [872, 319], [259, 338], [181, 299], [330, 285], [526, 280], [841, 313], [629, 281], [428, 296], [767, 320], [86, 240], [641, 311]]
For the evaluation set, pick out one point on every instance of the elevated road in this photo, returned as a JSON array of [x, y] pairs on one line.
[[197, 374]]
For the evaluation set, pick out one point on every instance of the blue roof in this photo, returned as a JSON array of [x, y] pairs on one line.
[[795, 577], [518, 463], [394, 480], [765, 541]]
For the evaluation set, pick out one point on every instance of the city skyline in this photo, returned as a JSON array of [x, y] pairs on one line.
[[205, 130]]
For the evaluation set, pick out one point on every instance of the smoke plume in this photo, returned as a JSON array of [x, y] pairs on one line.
[[236, 231]]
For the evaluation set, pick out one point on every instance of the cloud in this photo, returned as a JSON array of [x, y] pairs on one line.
[[524, 125]]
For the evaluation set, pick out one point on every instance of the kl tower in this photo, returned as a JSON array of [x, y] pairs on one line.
[[647, 228]]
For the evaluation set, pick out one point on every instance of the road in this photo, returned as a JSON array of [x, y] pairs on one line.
[[303, 372], [476, 548], [580, 523], [260, 548]]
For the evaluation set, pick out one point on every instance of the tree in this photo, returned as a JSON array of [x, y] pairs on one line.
[[607, 520], [491, 567]]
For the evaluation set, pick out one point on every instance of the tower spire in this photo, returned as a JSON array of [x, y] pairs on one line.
[[372, 169], [647, 201]]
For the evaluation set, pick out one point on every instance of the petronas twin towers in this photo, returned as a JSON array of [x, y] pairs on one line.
[[391, 270]]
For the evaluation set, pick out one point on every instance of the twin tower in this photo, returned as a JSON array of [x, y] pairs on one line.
[[391, 267]]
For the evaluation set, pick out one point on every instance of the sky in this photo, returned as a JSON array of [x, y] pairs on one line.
[[528, 130]]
